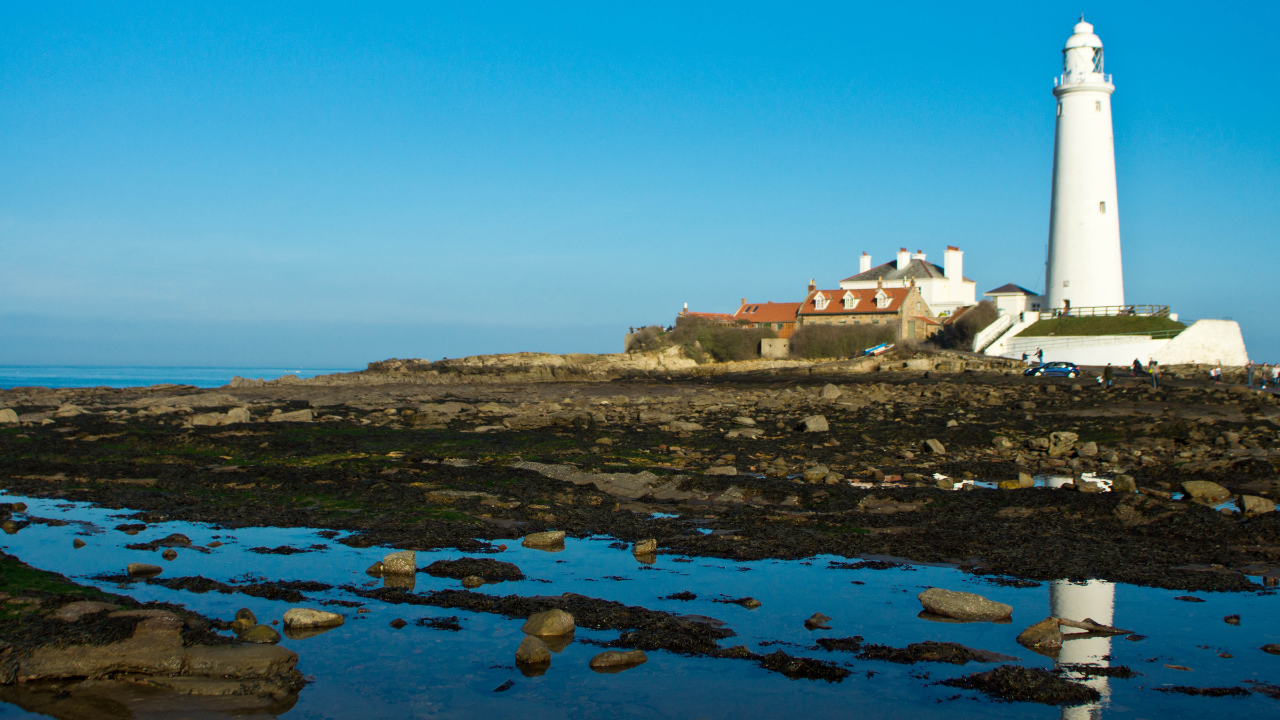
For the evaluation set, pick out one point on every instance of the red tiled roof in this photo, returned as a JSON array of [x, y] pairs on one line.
[[927, 320], [770, 312], [866, 301]]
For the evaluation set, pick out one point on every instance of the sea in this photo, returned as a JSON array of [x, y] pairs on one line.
[[50, 376]]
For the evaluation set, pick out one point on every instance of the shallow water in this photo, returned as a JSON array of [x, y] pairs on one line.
[[139, 376], [368, 669]]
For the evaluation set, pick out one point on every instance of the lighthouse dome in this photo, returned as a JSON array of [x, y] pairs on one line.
[[1082, 37]]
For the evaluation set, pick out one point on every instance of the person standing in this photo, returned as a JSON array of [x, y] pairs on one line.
[[1026, 359], [1248, 368], [1155, 377], [1275, 375], [1107, 374], [1040, 356]]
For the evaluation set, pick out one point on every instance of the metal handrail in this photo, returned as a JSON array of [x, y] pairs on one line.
[[1107, 311]]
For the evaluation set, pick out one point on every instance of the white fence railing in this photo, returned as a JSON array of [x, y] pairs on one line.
[[989, 333]]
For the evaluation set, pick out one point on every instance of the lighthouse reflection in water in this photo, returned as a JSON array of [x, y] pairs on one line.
[[1094, 599]]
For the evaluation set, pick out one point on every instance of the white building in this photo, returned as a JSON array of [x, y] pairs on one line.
[[1083, 268], [943, 288], [1013, 299]]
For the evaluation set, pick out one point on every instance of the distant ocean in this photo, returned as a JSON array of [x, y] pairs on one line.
[[12, 376]]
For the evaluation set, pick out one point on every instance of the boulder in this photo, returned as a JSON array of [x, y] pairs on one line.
[[721, 470], [238, 415], [472, 581], [830, 392], [1001, 442], [1061, 443], [1088, 450], [77, 543], [746, 432], [72, 612], [817, 621], [548, 538], [8, 417], [1272, 649], [404, 562], [616, 660], [814, 423], [1025, 480], [744, 421], [246, 615], [551, 622], [935, 447], [1254, 505], [1205, 490], [309, 618], [1044, 635], [1123, 483], [375, 569], [169, 554], [143, 569], [681, 426], [968, 607], [645, 547], [816, 474], [1008, 485], [295, 416], [533, 651], [262, 634]]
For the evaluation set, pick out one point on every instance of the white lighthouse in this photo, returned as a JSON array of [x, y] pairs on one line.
[[1083, 268]]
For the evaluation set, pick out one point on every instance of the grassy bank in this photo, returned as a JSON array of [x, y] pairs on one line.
[[1112, 325]]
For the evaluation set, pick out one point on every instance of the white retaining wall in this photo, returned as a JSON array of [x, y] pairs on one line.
[[1206, 342]]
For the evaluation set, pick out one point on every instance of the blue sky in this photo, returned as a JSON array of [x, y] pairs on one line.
[[329, 184]]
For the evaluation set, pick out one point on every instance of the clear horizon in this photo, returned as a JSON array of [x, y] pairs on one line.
[[327, 186]]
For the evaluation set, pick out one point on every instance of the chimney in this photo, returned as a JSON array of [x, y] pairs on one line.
[[904, 258], [813, 285], [953, 268], [744, 301], [864, 263], [917, 255], [686, 307]]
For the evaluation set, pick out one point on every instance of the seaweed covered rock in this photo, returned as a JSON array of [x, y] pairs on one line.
[[490, 570], [1019, 684]]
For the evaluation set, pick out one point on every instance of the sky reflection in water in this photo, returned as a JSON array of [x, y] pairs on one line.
[[367, 669]]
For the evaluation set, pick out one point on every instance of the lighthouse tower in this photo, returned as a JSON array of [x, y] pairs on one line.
[[1083, 268]]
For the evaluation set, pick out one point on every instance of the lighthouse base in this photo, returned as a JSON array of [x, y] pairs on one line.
[[1205, 342]]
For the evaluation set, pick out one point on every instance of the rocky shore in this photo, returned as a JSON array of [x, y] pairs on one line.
[[745, 462], [74, 652]]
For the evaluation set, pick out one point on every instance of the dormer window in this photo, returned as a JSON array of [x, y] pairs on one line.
[[820, 302], [850, 301], [882, 300]]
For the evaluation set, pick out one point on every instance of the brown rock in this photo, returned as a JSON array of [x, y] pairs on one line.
[[551, 622], [617, 661], [533, 651], [1044, 635]]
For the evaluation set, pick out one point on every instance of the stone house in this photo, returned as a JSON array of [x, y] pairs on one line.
[[873, 306]]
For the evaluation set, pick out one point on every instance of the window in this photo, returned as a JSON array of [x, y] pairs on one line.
[[1059, 109], [820, 302], [882, 300], [1066, 283], [850, 301], [1098, 106], [1102, 207]]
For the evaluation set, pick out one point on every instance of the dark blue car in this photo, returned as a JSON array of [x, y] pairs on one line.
[[1054, 369]]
